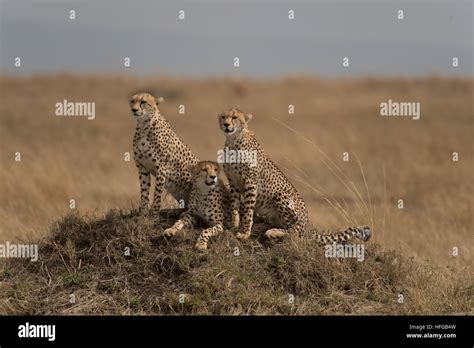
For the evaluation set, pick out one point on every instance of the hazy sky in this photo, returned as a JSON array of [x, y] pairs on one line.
[[258, 32]]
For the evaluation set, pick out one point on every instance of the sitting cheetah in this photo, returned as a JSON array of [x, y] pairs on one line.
[[158, 151], [264, 188], [207, 202]]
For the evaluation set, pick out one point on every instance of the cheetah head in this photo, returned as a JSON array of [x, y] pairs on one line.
[[144, 105], [233, 121], [206, 174]]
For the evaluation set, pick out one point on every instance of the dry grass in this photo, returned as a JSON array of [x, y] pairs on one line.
[[73, 158], [85, 257]]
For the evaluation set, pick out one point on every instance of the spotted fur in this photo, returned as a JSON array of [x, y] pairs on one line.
[[208, 203], [158, 151], [264, 190]]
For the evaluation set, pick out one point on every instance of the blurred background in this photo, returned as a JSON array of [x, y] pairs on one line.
[[259, 32], [283, 62]]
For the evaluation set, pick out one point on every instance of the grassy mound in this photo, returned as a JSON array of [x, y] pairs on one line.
[[119, 265]]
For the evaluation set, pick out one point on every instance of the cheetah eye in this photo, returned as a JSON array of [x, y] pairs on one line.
[[234, 117], [223, 117], [142, 102]]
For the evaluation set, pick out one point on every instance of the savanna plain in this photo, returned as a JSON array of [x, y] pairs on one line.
[[422, 251]]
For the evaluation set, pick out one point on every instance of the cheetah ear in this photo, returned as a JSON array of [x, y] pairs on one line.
[[159, 100], [248, 117]]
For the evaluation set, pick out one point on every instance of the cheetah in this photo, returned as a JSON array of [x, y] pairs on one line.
[[158, 151], [261, 188], [208, 202]]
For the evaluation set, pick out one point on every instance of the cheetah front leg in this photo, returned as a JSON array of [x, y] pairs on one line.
[[234, 194], [144, 178], [159, 186], [186, 221], [201, 243], [250, 198]]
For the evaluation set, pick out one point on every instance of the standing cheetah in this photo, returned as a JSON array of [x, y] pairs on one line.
[[264, 189], [208, 202], [158, 151]]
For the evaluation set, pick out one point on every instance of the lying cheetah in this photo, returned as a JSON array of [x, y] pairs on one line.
[[264, 189], [208, 202], [158, 151]]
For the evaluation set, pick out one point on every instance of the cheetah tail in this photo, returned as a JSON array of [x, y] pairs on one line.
[[362, 233]]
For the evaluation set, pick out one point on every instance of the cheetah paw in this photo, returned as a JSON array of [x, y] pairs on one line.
[[243, 235], [201, 246], [169, 232], [275, 233]]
